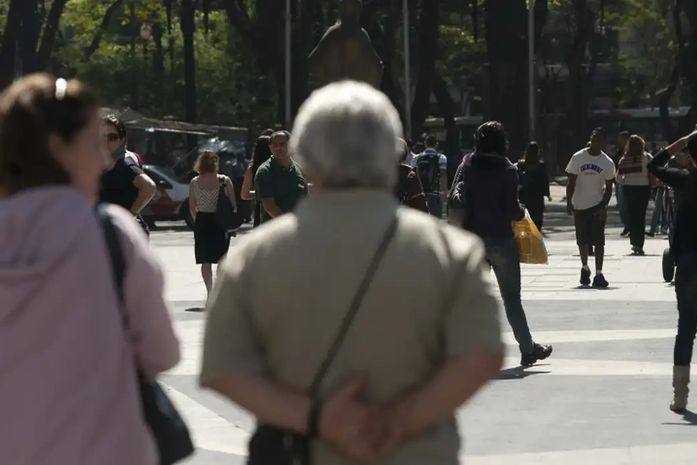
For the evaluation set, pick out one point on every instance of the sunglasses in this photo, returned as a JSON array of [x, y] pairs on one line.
[[111, 137]]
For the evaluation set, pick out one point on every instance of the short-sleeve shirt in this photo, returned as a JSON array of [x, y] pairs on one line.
[[117, 184], [276, 309], [286, 186], [593, 173]]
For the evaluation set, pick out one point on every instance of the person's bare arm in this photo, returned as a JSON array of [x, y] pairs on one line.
[[608, 192], [452, 386], [570, 189], [230, 191], [193, 202], [247, 184], [271, 208], [146, 191]]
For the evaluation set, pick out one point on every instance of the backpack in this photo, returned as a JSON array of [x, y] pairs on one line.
[[428, 169]]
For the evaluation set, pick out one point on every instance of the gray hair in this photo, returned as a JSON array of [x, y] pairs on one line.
[[345, 135]]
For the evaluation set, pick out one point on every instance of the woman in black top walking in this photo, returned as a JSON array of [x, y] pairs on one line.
[[534, 183], [684, 248]]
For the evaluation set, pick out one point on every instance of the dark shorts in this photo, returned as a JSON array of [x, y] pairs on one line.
[[590, 226]]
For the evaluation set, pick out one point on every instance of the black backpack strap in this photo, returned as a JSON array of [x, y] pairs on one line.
[[114, 250]]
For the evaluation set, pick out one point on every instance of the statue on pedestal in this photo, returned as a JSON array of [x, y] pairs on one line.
[[345, 51]]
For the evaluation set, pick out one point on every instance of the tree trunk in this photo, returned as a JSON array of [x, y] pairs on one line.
[[577, 130], [29, 37], [447, 110], [427, 53], [687, 58], [188, 27], [106, 20], [48, 38], [8, 48], [507, 53], [135, 95]]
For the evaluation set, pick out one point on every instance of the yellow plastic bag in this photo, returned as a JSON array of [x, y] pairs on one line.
[[531, 244]]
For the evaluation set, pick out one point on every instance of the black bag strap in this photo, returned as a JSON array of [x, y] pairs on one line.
[[115, 252], [354, 307]]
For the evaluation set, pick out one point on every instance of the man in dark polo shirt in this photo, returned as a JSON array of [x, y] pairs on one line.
[[279, 182]]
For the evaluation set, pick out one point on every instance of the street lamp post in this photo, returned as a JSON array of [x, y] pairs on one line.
[[531, 70], [288, 64], [407, 69]]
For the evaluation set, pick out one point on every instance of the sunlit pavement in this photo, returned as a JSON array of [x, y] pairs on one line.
[[601, 399]]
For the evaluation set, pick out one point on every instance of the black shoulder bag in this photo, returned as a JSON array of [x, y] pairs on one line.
[[457, 197], [226, 217], [274, 446], [166, 425]]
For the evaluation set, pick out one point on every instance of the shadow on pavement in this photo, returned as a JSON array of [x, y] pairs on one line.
[[195, 309], [519, 373]]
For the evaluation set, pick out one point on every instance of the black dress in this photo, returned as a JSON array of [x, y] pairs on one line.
[[211, 243], [534, 187]]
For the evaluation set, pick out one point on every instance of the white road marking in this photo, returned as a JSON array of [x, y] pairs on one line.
[[667, 454]]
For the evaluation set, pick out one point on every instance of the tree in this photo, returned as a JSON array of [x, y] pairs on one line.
[[506, 45], [188, 27], [687, 58], [32, 31]]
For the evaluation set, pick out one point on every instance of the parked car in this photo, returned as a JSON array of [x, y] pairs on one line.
[[171, 202]]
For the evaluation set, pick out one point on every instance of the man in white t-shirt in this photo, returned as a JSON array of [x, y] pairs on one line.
[[591, 174]]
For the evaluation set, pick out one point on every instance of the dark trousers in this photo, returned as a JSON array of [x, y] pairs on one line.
[[686, 291], [536, 208], [637, 201], [435, 204], [504, 258]]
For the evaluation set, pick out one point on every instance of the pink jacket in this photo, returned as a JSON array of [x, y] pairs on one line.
[[68, 393]]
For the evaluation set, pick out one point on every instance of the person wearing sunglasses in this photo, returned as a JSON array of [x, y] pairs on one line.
[[124, 183]]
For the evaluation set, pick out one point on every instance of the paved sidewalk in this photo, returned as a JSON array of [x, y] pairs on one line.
[[601, 399]]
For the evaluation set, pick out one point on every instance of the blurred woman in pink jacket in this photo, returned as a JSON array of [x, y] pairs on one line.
[[68, 390]]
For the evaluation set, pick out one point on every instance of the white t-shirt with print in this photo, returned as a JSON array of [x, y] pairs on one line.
[[593, 173]]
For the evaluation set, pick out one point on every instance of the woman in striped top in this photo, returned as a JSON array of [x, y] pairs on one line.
[[633, 176]]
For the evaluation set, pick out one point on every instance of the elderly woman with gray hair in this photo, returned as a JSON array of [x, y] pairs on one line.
[[352, 328]]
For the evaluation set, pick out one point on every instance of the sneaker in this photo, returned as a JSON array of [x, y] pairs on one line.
[[585, 277], [539, 352], [639, 252], [600, 282], [650, 234], [625, 233]]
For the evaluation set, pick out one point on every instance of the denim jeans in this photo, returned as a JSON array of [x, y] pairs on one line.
[[503, 257], [622, 206], [686, 291]]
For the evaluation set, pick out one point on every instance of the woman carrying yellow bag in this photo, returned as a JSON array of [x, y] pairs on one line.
[[530, 242]]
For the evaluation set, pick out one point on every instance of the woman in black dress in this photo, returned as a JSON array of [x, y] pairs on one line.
[[262, 152], [534, 183], [211, 241]]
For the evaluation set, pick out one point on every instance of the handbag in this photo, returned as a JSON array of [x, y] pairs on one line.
[[457, 197], [275, 446], [226, 217], [168, 429]]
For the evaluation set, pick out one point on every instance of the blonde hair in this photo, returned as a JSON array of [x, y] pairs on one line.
[[635, 147], [207, 162]]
